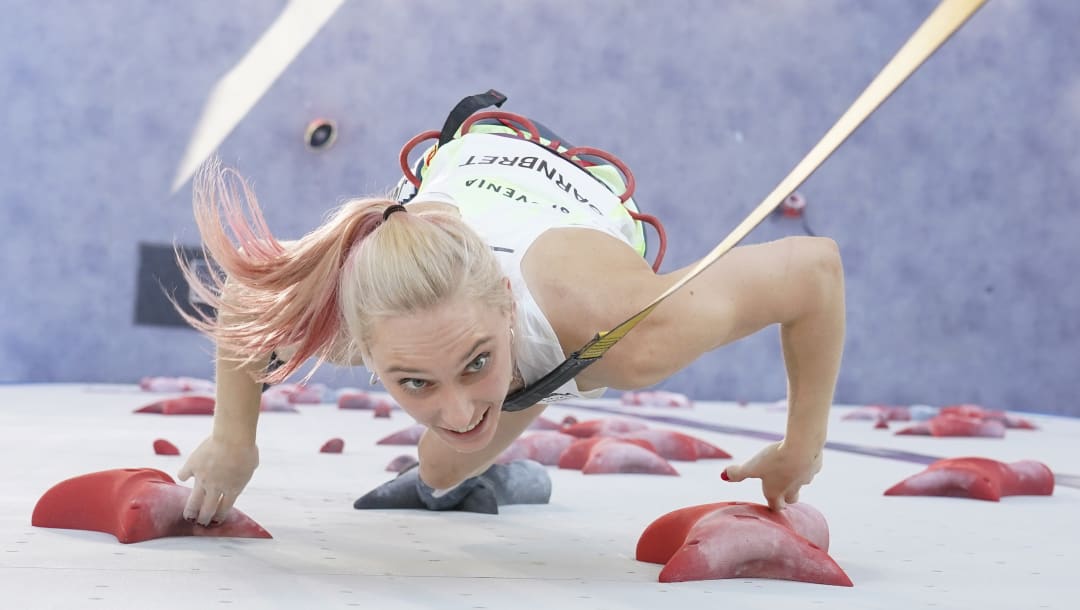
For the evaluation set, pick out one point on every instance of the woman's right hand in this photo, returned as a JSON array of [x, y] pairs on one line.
[[221, 470]]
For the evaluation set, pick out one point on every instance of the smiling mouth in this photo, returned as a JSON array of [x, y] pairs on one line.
[[472, 430]]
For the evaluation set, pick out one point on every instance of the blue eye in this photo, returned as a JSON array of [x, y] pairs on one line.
[[479, 363], [413, 385]]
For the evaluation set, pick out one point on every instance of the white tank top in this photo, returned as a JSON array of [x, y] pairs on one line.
[[511, 191]]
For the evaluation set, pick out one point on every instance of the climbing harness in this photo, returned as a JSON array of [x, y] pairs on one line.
[[468, 113]]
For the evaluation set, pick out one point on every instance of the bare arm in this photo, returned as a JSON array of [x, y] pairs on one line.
[[236, 411], [587, 282], [223, 464]]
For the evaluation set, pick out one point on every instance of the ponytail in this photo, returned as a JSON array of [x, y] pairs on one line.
[[326, 290], [268, 295]]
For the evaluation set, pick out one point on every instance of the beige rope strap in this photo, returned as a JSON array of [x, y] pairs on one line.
[[938, 27]]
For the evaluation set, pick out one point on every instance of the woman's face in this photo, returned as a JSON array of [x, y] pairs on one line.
[[448, 367]]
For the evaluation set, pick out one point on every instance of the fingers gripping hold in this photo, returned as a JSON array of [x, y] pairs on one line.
[[209, 507], [227, 501], [195, 500]]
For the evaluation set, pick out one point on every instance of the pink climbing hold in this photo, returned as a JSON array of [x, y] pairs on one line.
[[133, 504], [334, 445], [276, 401], [383, 409], [401, 462], [613, 456], [355, 399], [656, 398], [304, 393], [608, 426], [173, 385], [741, 540], [164, 447], [879, 412], [182, 405], [674, 445], [545, 446], [575, 456], [976, 411], [956, 425], [407, 436]]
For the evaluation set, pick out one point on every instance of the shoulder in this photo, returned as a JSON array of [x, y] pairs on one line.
[[586, 281]]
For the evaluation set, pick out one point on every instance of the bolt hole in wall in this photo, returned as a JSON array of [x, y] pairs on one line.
[[320, 134]]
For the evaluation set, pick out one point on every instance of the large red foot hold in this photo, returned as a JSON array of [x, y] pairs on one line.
[[184, 405], [133, 504], [978, 478], [741, 540]]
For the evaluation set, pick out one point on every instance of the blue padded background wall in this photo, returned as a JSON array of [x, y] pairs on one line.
[[953, 205]]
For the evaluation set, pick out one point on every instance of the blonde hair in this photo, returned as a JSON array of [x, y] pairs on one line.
[[330, 287]]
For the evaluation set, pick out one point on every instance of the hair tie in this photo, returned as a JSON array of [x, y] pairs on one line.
[[397, 207]]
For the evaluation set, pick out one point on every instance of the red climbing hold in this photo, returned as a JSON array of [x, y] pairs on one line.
[[608, 426], [183, 405], [978, 478], [674, 445], [164, 447], [956, 425], [334, 445], [741, 540], [133, 504], [357, 399]]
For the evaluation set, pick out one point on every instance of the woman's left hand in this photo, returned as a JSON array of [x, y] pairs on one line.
[[783, 470]]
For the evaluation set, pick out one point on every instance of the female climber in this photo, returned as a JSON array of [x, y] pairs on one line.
[[502, 251]]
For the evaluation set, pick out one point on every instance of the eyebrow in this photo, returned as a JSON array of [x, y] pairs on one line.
[[465, 360]]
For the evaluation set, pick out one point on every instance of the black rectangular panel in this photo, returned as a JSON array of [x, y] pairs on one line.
[[159, 275]]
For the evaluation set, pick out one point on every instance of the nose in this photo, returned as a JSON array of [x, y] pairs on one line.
[[457, 411]]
